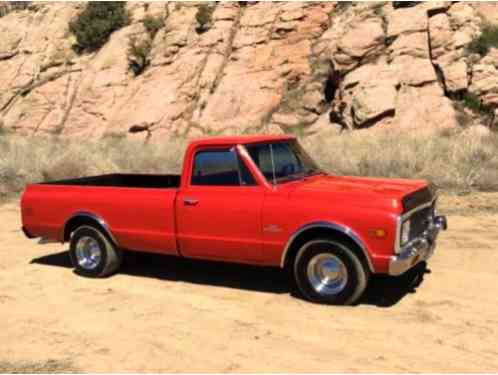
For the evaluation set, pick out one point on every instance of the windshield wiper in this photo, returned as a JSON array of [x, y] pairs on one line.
[[299, 175], [313, 172], [291, 177]]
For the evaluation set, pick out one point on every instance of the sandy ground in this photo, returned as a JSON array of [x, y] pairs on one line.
[[165, 314]]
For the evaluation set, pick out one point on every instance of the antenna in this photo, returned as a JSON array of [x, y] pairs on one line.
[[273, 165]]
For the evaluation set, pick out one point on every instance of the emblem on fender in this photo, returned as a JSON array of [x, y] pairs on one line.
[[272, 228]]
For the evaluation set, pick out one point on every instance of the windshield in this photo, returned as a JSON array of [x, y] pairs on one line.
[[282, 161]]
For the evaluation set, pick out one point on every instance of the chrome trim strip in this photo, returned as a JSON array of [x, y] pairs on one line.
[[422, 206], [406, 215], [98, 219], [325, 224], [397, 240]]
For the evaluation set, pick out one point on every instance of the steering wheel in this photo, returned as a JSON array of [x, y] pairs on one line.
[[288, 169]]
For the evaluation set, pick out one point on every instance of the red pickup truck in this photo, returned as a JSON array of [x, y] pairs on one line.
[[253, 199]]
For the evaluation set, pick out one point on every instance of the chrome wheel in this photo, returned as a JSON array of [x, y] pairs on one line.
[[88, 253], [327, 274]]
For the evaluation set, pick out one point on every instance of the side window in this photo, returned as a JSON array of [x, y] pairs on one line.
[[220, 168]]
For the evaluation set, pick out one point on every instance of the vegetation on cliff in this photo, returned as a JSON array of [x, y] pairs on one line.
[[485, 41], [139, 54], [204, 17], [97, 22]]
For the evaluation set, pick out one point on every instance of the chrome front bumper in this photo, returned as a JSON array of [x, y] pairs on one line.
[[418, 249]]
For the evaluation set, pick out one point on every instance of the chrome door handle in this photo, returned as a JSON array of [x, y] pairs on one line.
[[190, 201]]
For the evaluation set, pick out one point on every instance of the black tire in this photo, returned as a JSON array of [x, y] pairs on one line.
[[110, 258], [350, 288]]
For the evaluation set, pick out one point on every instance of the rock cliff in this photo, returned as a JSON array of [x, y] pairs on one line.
[[307, 68]]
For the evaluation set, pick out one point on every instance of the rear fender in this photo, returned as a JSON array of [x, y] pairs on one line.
[[81, 218]]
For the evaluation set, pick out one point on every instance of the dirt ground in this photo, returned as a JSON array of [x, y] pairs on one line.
[[164, 314]]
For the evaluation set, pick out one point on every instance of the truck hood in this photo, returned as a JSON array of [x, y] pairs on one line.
[[361, 191]]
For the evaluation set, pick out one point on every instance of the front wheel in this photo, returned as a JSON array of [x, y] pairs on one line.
[[329, 271], [92, 253]]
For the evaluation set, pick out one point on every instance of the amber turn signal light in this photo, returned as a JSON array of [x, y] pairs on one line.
[[377, 233]]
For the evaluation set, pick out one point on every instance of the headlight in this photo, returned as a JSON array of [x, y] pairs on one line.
[[405, 232]]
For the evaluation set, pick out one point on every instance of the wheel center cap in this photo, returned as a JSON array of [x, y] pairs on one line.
[[330, 270]]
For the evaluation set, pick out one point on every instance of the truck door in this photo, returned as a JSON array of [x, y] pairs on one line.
[[219, 209]]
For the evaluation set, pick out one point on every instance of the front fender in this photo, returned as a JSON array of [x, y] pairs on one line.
[[349, 232]]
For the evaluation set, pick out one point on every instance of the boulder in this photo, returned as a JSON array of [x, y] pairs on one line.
[[226, 12], [413, 45], [293, 15], [423, 107], [463, 37], [462, 13], [313, 101], [465, 22], [362, 38], [380, 72], [406, 20], [287, 120], [441, 35], [488, 10], [435, 7], [9, 41], [414, 71], [372, 102], [455, 76], [485, 83], [491, 58]]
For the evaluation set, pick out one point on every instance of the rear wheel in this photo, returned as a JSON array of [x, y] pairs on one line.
[[92, 253], [329, 271]]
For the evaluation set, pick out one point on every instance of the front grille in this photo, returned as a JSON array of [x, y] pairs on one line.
[[419, 221]]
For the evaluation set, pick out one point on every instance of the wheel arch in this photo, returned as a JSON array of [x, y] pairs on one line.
[[86, 218], [316, 229]]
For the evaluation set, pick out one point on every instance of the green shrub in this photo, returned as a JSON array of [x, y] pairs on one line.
[[153, 24], [485, 111], [378, 9], [488, 39], [97, 22], [342, 6], [139, 54], [204, 17], [475, 104], [472, 102]]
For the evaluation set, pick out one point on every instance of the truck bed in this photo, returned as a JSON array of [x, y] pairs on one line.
[[138, 208], [142, 181]]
